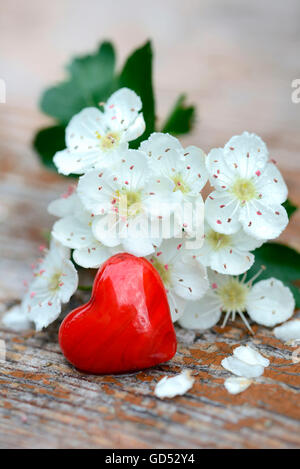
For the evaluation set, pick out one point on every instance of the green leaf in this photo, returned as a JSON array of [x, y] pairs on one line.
[[181, 118], [137, 75], [281, 262], [47, 142], [91, 81], [290, 207]]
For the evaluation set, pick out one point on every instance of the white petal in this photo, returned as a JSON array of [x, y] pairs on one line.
[[189, 279], [235, 385], [16, 320], [244, 242], [195, 168], [138, 246], [69, 281], [246, 154], [231, 261], [136, 129], [240, 368], [160, 199], [220, 175], [59, 249], [121, 112], [271, 186], [93, 256], [177, 305], [202, 314], [262, 221], [81, 133], [64, 206], [249, 355], [72, 232], [175, 386], [96, 190], [44, 314], [105, 230], [289, 331], [221, 212], [159, 145], [269, 302], [68, 162]]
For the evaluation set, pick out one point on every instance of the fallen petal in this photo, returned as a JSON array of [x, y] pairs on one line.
[[175, 386], [240, 368], [250, 356], [235, 385], [288, 331]]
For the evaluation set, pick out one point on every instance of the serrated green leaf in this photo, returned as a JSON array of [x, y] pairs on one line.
[[91, 80], [137, 75], [281, 262], [290, 207], [47, 142], [181, 118]]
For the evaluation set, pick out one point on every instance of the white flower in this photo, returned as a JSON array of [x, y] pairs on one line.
[[249, 189], [174, 386], [184, 278], [186, 168], [129, 203], [235, 385], [268, 302], [55, 281], [74, 231], [227, 253], [289, 332], [94, 138]]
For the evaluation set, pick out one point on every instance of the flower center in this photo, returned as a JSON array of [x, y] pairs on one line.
[[244, 190], [55, 282], [218, 240], [164, 271], [129, 203], [108, 141], [180, 184], [233, 295]]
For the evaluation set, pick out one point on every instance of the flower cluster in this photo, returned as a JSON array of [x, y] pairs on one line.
[[148, 202]]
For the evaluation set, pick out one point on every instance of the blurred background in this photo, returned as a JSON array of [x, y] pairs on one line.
[[236, 61]]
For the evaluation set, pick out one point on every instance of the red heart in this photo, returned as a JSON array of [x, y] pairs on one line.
[[126, 325]]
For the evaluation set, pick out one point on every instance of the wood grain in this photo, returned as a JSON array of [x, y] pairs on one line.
[[236, 61], [47, 403]]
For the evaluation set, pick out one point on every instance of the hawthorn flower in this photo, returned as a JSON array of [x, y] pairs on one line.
[[249, 189], [95, 138], [183, 277], [55, 281], [186, 168], [74, 231], [227, 253], [128, 203], [268, 302]]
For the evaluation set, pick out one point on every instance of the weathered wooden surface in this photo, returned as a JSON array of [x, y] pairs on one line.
[[236, 61], [46, 403]]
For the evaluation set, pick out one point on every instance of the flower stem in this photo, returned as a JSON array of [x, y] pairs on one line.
[[85, 287]]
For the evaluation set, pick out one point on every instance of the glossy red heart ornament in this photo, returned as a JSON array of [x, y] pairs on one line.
[[126, 325]]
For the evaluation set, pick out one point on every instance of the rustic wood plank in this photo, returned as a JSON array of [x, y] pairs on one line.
[[45, 402]]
